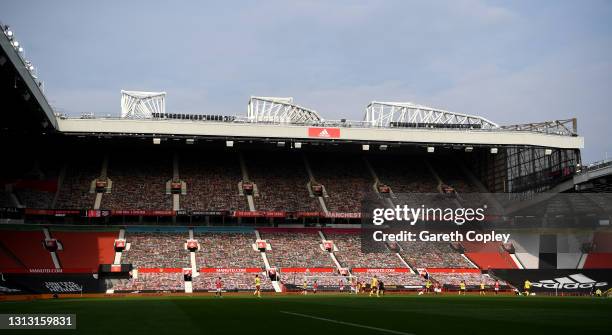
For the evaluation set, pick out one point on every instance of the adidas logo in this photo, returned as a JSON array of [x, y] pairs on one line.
[[324, 133], [571, 282]]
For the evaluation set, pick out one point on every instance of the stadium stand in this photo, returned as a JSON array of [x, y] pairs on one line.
[[488, 255], [282, 187], [156, 250], [152, 282], [28, 247], [227, 250], [75, 187], [8, 260], [323, 279], [296, 250], [600, 256], [212, 182], [231, 281], [350, 253], [452, 174], [394, 278], [471, 279], [432, 255], [85, 249], [345, 178], [404, 174], [139, 182]]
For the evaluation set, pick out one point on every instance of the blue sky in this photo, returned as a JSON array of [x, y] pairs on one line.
[[516, 62]]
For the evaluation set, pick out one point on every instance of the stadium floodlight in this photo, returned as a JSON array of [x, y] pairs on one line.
[[384, 114], [15, 43], [431, 149], [284, 110], [493, 150], [365, 147], [383, 147], [156, 140], [142, 105], [280, 144], [190, 141], [469, 149], [548, 152], [297, 145], [229, 144], [9, 32], [20, 49]]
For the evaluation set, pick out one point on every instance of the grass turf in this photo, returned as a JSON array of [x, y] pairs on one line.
[[407, 314]]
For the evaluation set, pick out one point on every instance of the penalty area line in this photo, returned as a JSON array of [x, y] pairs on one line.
[[390, 331]]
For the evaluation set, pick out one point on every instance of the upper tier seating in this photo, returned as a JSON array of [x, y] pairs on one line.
[[139, 182], [281, 179], [346, 180], [212, 182], [74, 191]]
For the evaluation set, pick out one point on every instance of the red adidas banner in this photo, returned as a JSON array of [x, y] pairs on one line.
[[381, 270], [228, 270], [324, 132], [312, 270]]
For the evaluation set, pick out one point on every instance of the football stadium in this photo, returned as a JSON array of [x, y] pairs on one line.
[[410, 220]]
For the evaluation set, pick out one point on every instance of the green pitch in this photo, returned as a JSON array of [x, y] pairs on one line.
[[329, 314]]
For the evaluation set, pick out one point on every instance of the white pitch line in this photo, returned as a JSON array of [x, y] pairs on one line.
[[347, 323]]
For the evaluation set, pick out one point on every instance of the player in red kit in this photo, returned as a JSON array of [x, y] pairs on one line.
[[496, 286], [218, 286], [315, 287]]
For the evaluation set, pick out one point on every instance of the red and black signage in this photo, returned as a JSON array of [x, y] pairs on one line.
[[52, 283], [258, 214]]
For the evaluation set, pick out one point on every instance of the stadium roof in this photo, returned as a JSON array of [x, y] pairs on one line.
[[24, 104], [328, 131], [267, 118]]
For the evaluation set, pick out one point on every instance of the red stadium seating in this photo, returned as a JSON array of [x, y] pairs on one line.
[[85, 249], [489, 255], [28, 247]]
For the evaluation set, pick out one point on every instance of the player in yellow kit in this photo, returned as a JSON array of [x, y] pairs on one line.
[[462, 287], [374, 286], [527, 286], [257, 286]]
